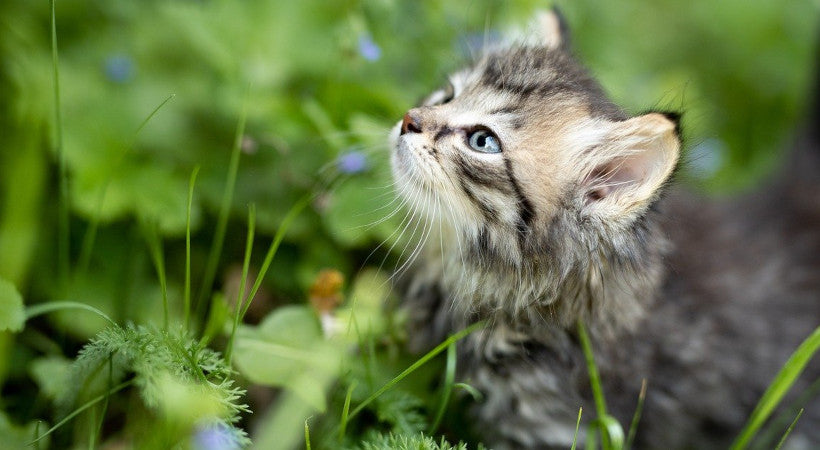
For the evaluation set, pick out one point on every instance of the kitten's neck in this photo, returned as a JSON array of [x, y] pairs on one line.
[[606, 280]]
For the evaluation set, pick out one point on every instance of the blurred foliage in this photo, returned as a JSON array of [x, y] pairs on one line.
[[322, 82]]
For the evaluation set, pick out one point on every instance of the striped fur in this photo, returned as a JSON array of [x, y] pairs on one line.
[[566, 224]]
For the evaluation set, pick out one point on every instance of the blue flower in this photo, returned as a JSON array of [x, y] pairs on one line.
[[369, 49], [216, 436], [119, 68], [352, 162]]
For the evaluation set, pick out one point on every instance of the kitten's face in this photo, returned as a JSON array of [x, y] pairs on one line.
[[490, 140], [519, 137]]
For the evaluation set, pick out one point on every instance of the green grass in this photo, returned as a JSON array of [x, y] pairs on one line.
[[224, 210], [781, 384], [64, 230], [611, 431]]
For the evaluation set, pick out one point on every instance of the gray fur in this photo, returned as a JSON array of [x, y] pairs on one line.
[[705, 299]]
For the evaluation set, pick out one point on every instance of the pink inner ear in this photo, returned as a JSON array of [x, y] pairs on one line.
[[643, 152], [605, 179]]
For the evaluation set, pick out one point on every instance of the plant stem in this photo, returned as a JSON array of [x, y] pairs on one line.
[[420, 362], [186, 296], [274, 246], [91, 232], [240, 298], [85, 406], [63, 208], [594, 379], [789, 430], [449, 379], [224, 212]]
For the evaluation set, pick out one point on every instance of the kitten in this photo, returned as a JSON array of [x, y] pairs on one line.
[[542, 203]]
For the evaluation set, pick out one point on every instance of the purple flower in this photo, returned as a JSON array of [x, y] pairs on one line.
[[352, 162], [216, 436], [369, 49], [119, 68]]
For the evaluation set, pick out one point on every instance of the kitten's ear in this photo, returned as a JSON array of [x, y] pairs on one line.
[[625, 173], [552, 28]]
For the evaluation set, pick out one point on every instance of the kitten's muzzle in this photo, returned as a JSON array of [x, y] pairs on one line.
[[410, 124]]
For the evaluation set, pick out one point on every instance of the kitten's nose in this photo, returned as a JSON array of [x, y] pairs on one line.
[[410, 124]]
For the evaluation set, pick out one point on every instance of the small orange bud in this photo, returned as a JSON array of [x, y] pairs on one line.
[[325, 293]]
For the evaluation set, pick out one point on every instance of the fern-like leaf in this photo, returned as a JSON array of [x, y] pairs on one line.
[[158, 361], [417, 441]]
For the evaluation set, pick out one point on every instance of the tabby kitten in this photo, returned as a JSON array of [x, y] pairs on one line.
[[543, 207]]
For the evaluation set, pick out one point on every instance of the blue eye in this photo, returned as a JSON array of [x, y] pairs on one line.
[[484, 141]]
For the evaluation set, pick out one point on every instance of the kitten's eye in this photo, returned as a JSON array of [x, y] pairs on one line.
[[484, 141]]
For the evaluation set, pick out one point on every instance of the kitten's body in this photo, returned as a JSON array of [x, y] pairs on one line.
[[703, 299], [740, 295]]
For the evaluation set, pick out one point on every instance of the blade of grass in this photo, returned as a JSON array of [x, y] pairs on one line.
[[37, 435], [613, 431], [63, 208], [274, 246], [186, 296], [594, 381], [307, 436], [346, 411], [789, 430], [592, 436], [420, 362], [155, 248], [474, 393], [778, 388], [224, 212], [91, 232], [577, 426], [449, 379], [44, 308], [633, 426], [92, 419], [238, 309], [82, 408], [773, 431], [98, 432]]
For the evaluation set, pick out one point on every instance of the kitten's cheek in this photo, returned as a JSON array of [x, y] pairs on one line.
[[399, 157], [402, 152]]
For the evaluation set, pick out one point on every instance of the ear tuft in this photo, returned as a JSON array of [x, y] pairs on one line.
[[629, 169], [552, 28], [674, 117]]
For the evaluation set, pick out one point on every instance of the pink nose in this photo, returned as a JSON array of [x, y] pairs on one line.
[[410, 124]]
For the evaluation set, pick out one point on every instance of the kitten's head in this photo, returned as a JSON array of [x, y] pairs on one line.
[[523, 144]]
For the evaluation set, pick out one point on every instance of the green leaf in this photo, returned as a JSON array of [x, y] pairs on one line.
[[288, 350], [366, 305], [12, 313], [51, 373]]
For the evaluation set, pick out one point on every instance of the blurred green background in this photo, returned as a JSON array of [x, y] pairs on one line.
[[321, 82]]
